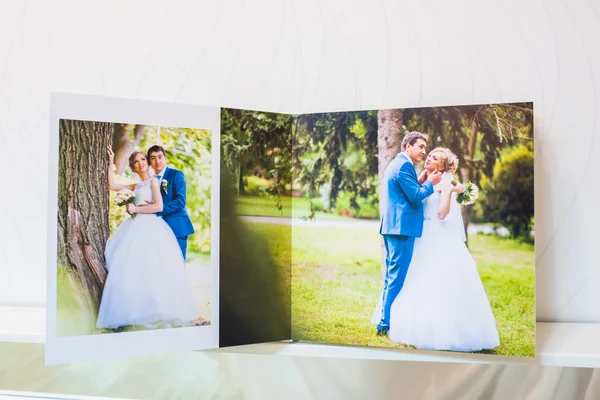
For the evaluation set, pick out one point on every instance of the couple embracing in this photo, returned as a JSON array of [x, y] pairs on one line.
[[146, 256], [433, 297]]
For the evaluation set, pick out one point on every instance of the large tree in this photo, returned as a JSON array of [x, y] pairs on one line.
[[389, 138], [83, 209]]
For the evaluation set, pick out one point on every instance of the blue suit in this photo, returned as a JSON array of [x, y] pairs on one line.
[[174, 212], [401, 201]]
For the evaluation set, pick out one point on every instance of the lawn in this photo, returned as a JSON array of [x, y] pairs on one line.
[[297, 207], [291, 207], [256, 202], [336, 281], [263, 206]]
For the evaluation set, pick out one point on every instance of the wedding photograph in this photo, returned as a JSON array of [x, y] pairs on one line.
[[134, 227], [414, 228]]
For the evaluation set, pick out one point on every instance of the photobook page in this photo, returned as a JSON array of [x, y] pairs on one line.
[[414, 228], [133, 254], [255, 227]]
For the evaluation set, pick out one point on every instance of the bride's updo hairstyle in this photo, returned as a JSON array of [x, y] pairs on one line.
[[132, 158], [448, 158]]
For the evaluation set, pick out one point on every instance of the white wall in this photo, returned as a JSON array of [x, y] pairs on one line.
[[302, 56]]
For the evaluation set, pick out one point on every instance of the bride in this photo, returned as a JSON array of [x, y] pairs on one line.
[[146, 283], [443, 304]]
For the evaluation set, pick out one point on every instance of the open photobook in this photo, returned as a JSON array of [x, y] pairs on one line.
[[176, 227]]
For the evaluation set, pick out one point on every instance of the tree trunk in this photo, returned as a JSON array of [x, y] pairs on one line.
[[389, 138], [83, 204], [465, 172], [122, 147], [241, 190], [389, 144]]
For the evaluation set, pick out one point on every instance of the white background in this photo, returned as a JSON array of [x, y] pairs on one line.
[[309, 56]]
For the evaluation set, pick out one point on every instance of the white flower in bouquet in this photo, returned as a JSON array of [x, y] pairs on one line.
[[470, 194], [125, 197]]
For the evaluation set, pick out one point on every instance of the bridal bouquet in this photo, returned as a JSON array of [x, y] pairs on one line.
[[125, 197], [470, 194]]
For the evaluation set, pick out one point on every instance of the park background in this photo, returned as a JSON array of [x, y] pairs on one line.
[[321, 173], [83, 162]]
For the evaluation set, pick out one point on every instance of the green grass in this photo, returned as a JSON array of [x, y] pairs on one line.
[[74, 316], [279, 239], [336, 281], [263, 206], [291, 207], [506, 268]]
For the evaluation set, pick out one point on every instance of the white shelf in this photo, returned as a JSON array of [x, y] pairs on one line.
[[558, 344], [13, 395], [23, 324]]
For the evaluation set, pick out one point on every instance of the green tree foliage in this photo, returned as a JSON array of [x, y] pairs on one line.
[[333, 157], [256, 142], [509, 194], [339, 150], [336, 151], [477, 134]]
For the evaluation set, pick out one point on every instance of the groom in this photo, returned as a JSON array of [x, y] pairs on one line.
[[173, 190], [402, 194]]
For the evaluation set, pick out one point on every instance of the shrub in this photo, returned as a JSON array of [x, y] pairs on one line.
[[509, 194], [256, 186]]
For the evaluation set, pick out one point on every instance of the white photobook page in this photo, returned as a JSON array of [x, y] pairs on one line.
[[97, 346]]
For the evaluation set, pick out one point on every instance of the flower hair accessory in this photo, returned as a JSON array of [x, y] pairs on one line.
[[452, 161], [165, 184]]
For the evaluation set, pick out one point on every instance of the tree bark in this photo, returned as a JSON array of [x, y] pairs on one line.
[[389, 144], [240, 178], [83, 203], [123, 147], [389, 138]]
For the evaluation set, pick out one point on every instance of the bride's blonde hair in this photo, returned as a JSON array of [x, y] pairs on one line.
[[132, 159], [449, 159]]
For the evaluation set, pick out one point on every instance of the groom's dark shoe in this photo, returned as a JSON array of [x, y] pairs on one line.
[[382, 331]]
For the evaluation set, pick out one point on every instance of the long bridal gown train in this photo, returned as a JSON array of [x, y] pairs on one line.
[[146, 283], [443, 304]]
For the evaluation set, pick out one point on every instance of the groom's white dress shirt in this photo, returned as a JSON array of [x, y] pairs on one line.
[[162, 173]]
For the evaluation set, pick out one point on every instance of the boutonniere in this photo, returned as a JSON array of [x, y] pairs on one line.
[[165, 185]]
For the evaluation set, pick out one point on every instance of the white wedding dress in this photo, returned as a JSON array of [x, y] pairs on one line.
[[146, 283], [443, 304]]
